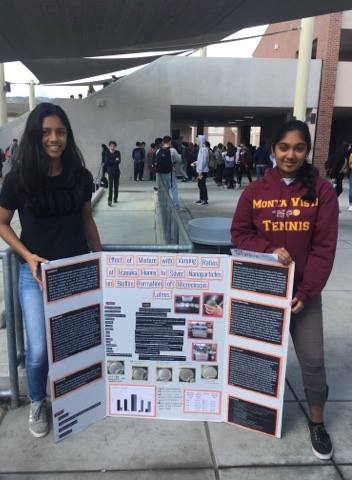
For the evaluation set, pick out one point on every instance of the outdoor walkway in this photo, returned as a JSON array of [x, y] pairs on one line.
[[128, 449]]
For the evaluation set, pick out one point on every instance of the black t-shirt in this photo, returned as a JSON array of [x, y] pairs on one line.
[[52, 226]]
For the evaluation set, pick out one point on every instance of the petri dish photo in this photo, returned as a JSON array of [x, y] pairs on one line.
[[116, 368], [187, 375], [209, 372], [139, 373], [164, 374]]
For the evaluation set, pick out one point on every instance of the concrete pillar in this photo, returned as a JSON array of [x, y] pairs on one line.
[[3, 108], [203, 52], [303, 65], [200, 127], [245, 135], [31, 95]]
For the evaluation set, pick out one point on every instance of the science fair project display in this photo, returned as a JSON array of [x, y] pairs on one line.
[[167, 336]]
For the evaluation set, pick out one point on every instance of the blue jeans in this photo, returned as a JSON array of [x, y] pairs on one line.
[[169, 182], [31, 300]]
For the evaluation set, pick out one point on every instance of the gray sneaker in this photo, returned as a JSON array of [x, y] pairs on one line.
[[38, 419]]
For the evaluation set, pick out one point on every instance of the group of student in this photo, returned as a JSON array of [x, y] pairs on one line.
[[8, 154], [51, 189], [339, 165]]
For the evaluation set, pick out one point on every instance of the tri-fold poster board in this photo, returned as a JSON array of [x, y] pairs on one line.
[[167, 336]]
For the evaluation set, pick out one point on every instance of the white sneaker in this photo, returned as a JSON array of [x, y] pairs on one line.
[[350, 208], [38, 419]]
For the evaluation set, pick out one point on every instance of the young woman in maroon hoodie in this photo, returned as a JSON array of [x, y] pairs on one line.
[[293, 212]]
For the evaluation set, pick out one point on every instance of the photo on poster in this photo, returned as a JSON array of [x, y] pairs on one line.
[[257, 321], [115, 367], [164, 374], [132, 400], [187, 304], [74, 332], [187, 375], [255, 371], [209, 372], [252, 415], [140, 373], [213, 304], [200, 329], [204, 352], [74, 279], [267, 279]]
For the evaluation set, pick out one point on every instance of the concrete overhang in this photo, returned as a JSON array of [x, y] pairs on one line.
[[225, 116]]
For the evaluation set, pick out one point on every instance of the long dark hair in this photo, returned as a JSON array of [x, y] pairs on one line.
[[32, 164], [307, 173]]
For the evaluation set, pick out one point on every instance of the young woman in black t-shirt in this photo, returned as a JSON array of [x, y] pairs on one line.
[[51, 189]]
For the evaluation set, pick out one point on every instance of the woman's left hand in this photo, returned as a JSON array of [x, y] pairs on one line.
[[296, 305]]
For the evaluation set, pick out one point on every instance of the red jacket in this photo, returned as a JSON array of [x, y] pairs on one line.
[[271, 215]]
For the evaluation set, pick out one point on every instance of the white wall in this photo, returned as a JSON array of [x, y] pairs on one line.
[[347, 19], [138, 106], [343, 90]]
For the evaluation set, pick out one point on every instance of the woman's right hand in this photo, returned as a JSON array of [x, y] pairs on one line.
[[283, 256], [34, 262]]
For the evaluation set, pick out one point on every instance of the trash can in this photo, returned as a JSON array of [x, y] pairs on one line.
[[210, 231]]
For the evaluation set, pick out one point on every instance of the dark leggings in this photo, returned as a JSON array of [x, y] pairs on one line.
[[203, 193], [229, 173], [113, 186], [339, 183], [307, 335], [241, 169]]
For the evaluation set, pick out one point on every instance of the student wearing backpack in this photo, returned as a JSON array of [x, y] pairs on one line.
[[165, 159]]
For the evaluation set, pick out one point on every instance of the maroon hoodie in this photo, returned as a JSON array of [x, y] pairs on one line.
[[271, 214]]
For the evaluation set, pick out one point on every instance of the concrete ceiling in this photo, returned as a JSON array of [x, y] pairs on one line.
[[222, 116], [71, 29]]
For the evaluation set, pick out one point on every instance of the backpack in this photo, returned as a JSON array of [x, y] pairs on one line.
[[163, 161]]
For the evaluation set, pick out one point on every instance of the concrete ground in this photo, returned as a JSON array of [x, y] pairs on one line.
[[128, 449]]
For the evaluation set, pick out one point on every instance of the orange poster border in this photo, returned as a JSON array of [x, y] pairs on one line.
[[108, 263], [50, 343], [277, 410], [52, 382], [111, 385], [261, 262], [265, 395], [284, 322], [217, 258], [186, 256], [87, 292]]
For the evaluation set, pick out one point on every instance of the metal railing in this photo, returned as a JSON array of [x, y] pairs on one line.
[[175, 239], [14, 329], [168, 222]]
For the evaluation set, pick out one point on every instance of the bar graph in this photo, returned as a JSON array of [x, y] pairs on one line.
[[132, 400]]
